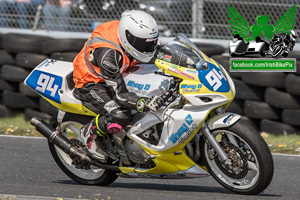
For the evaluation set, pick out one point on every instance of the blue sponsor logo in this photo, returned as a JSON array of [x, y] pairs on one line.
[[46, 63], [138, 85], [185, 86], [45, 84], [183, 129], [227, 118]]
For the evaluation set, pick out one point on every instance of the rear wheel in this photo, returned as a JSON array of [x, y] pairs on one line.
[[89, 176], [251, 169]]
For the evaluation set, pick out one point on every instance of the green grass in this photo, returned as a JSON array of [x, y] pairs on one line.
[[17, 126], [289, 144]]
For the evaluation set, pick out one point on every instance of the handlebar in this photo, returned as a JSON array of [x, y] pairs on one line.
[[171, 94]]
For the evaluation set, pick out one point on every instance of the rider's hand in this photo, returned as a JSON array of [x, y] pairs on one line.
[[154, 103]]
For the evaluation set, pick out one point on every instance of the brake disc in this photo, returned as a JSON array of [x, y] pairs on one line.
[[239, 165]]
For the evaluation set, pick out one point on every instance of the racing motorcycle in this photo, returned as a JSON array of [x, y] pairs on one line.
[[280, 45], [190, 136], [239, 48]]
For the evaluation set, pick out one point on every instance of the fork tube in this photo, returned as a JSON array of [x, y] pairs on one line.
[[213, 142]]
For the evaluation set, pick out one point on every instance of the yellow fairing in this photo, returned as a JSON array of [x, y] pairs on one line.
[[190, 77], [175, 159], [72, 108], [166, 163], [171, 160]]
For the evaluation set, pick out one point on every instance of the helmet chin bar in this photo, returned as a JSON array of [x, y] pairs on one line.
[[142, 57]]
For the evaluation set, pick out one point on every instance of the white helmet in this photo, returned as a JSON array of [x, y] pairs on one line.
[[138, 34], [293, 35]]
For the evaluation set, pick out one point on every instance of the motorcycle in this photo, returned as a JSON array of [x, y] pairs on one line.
[[239, 48], [280, 45], [190, 136]]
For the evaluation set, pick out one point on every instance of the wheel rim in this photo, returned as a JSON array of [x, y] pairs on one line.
[[277, 51], [251, 177], [90, 174]]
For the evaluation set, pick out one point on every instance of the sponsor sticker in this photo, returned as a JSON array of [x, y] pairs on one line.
[[190, 71], [190, 88], [173, 68], [167, 58], [187, 127], [228, 118], [46, 63], [138, 87]]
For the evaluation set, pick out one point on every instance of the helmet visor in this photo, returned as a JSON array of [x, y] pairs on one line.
[[143, 45]]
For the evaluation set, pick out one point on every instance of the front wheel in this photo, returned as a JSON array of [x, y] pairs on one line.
[[251, 169], [277, 51], [70, 127]]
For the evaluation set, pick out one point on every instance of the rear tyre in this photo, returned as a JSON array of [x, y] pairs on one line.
[[252, 164], [92, 176]]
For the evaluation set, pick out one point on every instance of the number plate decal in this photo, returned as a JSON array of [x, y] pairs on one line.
[[46, 84], [214, 79]]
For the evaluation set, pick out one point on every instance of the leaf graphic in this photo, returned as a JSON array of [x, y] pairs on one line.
[[256, 30], [238, 24], [269, 31], [286, 23], [262, 20]]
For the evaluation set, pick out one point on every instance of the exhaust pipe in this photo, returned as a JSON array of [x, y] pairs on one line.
[[51, 134], [65, 144]]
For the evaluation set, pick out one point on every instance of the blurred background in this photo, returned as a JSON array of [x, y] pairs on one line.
[[34, 30], [195, 18]]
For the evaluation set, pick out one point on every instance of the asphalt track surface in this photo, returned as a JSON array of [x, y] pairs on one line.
[[28, 171]]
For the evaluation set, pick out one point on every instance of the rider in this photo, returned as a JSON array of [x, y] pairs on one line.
[[289, 39], [112, 48]]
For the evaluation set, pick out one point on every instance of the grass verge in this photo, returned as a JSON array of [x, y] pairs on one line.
[[17, 126], [289, 144]]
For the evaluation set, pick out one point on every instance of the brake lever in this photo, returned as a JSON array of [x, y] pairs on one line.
[[162, 73]]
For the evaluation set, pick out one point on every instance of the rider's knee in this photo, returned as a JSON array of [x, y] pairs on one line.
[[121, 117]]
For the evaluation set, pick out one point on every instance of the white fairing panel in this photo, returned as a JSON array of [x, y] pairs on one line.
[[49, 80], [142, 80], [178, 126], [223, 120]]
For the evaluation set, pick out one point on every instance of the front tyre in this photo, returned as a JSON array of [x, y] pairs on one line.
[[277, 51], [251, 169], [70, 127]]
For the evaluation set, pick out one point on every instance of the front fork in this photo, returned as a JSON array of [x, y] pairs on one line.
[[221, 120], [215, 145]]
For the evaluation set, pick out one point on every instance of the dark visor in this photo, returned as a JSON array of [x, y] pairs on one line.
[[141, 44]]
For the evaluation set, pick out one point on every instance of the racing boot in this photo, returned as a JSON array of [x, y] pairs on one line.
[[90, 134], [98, 127]]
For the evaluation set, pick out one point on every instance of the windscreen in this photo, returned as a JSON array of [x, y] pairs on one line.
[[181, 51]]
